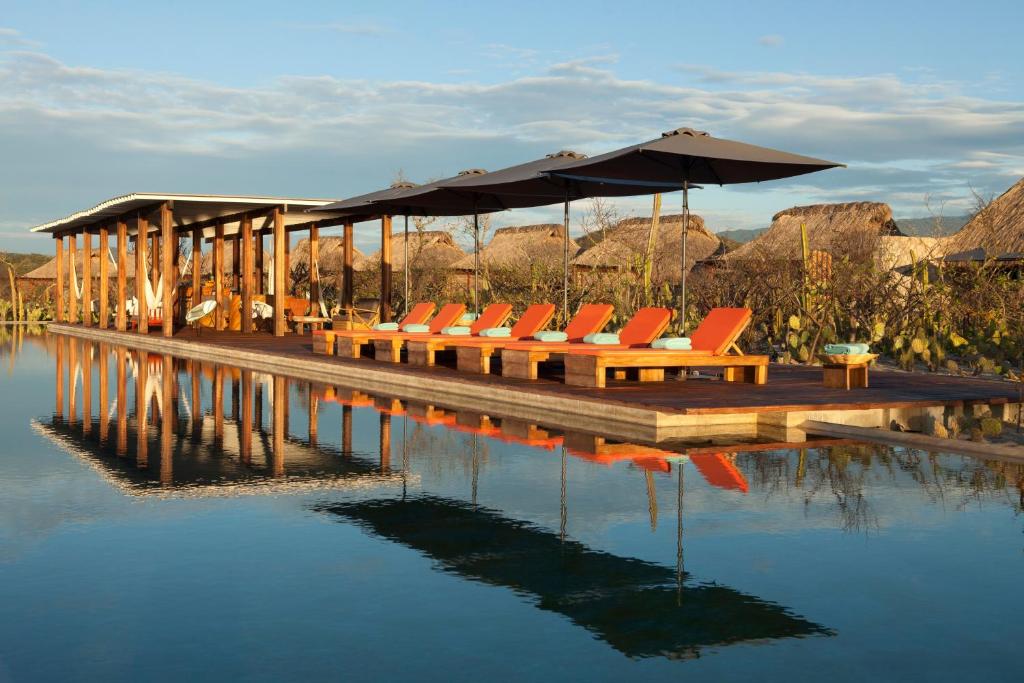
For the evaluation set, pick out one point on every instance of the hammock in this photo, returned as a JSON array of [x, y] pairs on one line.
[[77, 290], [316, 274]]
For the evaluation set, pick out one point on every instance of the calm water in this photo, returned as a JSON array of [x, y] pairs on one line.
[[394, 540]]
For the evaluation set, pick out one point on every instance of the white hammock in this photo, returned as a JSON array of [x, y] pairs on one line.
[[77, 289]]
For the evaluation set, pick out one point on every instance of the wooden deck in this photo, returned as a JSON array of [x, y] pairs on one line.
[[791, 390]]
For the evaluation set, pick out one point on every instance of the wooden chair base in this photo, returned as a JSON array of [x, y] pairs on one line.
[[476, 359], [591, 370], [523, 364], [851, 376], [324, 343]]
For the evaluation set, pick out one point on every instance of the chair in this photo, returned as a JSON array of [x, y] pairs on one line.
[[713, 345], [349, 344], [423, 346], [362, 315], [534, 318], [521, 359], [474, 355], [324, 340]]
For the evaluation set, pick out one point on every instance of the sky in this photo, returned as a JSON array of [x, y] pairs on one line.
[[923, 101]]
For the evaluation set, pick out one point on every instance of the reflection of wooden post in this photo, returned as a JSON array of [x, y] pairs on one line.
[[141, 405], [122, 276], [197, 399], [247, 274], [141, 227], [122, 403], [314, 406], [104, 395], [234, 399], [167, 422], [72, 371], [347, 272], [86, 278], [257, 409], [346, 431], [385, 441], [279, 272], [86, 388], [218, 276], [218, 404], [72, 272], [59, 244], [58, 408], [246, 441], [280, 400], [287, 406], [104, 277], [385, 269], [167, 254], [314, 269]]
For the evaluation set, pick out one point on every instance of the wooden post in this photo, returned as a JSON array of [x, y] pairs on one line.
[[246, 440], [141, 404], [122, 402], [167, 420], [86, 278], [197, 268], [314, 269], [104, 253], [287, 264], [236, 263], [167, 252], [279, 272], [385, 269], [141, 240], [247, 268], [59, 244], [104, 394], [218, 276], [73, 273], [154, 259], [280, 399], [122, 275], [347, 272], [261, 284]]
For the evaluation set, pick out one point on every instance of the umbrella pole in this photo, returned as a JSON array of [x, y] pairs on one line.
[[476, 261], [405, 268], [565, 264], [686, 230]]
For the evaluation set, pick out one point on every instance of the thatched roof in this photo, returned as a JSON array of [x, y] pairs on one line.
[[207, 262], [48, 271], [332, 255], [830, 228], [998, 228], [520, 246], [623, 246], [427, 249]]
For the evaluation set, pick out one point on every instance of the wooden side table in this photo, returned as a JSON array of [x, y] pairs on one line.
[[314, 322], [848, 371]]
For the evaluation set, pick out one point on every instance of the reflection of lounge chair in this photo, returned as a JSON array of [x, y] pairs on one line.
[[711, 343], [324, 340], [521, 359], [350, 345], [534, 319], [474, 355], [389, 347]]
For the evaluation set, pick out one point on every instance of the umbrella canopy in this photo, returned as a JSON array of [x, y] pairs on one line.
[[691, 156]]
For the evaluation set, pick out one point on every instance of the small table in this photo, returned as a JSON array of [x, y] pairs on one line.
[[846, 371], [314, 322]]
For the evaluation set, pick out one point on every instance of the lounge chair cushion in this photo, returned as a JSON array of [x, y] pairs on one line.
[[846, 349], [672, 343], [455, 330], [386, 327], [496, 332], [417, 328], [601, 338], [551, 336]]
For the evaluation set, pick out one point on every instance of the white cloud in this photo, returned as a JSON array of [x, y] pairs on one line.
[[771, 40], [10, 36]]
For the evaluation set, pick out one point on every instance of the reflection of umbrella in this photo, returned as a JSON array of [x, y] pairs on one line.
[[522, 186], [691, 156]]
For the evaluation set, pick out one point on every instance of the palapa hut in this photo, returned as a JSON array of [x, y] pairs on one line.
[[428, 250], [998, 228], [849, 228], [517, 248], [47, 273], [331, 260], [623, 247]]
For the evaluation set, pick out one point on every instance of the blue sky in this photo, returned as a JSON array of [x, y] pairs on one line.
[[923, 101]]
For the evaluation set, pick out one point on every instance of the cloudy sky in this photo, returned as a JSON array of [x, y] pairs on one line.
[[924, 101]]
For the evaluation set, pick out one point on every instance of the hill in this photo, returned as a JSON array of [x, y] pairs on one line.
[[931, 226], [739, 235]]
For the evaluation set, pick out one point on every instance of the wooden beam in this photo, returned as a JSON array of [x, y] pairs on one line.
[[86, 279], [197, 268], [385, 269], [247, 274], [141, 241], [59, 293], [347, 271], [121, 323], [279, 272], [154, 258], [223, 220], [73, 273], [314, 269], [168, 248], [287, 264], [104, 253], [218, 277]]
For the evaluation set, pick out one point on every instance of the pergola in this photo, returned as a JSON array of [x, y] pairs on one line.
[[241, 221]]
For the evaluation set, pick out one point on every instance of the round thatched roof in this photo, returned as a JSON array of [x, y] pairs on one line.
[[207, 262], [48, 271], [998, 228], [623, 246], [830, 227], [427, 249], [332, 255], [519, 246]]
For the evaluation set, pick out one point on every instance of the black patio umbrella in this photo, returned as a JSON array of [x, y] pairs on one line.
[[688, 156], [522, 186]]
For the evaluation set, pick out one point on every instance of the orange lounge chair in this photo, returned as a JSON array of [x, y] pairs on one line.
[[712, 342], [323, 340], [349, 343], [520, 359], [474, 355], [422, 347]]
